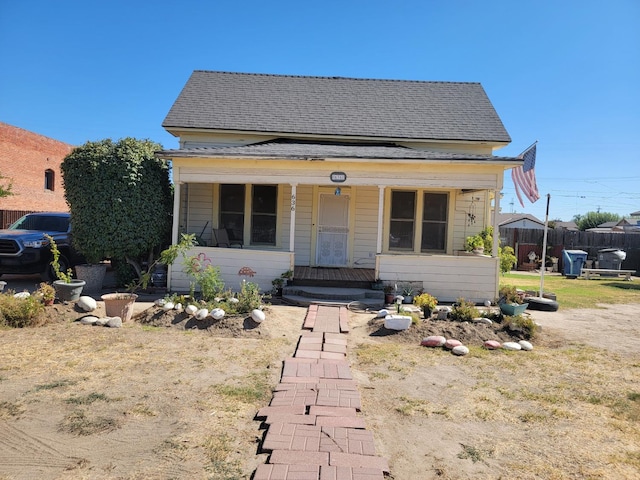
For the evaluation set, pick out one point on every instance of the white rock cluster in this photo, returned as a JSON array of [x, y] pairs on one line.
[[457, 348], [112, 322]]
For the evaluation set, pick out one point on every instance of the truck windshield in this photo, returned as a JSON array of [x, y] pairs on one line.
[[45, 223]]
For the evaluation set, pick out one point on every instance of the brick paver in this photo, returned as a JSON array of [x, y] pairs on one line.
[[313, 429]]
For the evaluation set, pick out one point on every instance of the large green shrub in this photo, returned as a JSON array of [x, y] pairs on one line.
[[120, 200]]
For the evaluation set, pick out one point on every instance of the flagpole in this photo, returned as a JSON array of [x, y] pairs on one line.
[[544, 247], [523, 152]]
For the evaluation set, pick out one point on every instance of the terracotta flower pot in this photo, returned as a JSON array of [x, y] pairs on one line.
[[119, 305]]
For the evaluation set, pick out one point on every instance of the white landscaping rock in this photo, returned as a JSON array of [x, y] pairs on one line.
[[202, 314], [492, 345], [485, 320], [114, 322], [102, 322], [191, 309], [443, 312], [22, 295], [87, 303], [217, 313], [160, 302], [178, 307], [460, 350], [383, 313], [233, 300], [433, 341], [527, 346], [397, 322], [88, 320], [257, 315], [451, 343], [511, 346], [168, 306]]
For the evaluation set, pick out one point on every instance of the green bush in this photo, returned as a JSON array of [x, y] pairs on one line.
[[521, 323], [464, 311], [21, 312]]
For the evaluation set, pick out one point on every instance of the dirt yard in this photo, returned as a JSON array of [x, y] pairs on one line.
[[167, 398]]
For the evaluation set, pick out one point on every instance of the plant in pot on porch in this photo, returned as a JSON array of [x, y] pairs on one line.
[[426, 302], [475, 244], [407, 293], [389, 294], [67, 288]]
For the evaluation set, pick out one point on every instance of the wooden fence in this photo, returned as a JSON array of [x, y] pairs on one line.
[[524, 241], [7, 217]]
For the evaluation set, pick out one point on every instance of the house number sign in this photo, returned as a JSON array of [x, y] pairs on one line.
[[338, 177]]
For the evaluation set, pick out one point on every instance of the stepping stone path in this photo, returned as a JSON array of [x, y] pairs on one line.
[[313, 428]]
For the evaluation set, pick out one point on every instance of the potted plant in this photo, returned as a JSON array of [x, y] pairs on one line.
[[389, 294], [511, 301], [47, 293], [426, 302], [277, 286], [66, 287], [475, 244], [407, 293]]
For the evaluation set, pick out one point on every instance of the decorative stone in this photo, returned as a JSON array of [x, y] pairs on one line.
[[22, 295], [433, 341], [460, 350], [160, 302], [101, 322], [178, 307], [397, 322], [217, 313], [114, 322], [485, 320], [511, 346], [383, 313], [257, 315], [452, 343], [191, 309], [87, 303], [233, 300], [443, 312], [168, 306], [88, 320], [487, 303], [492, 345], [202, 314], [526, 345]]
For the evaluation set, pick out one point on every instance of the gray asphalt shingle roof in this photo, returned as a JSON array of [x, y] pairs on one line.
[[335, 106], [291, 149]]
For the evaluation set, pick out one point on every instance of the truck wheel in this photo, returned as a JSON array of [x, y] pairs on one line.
[[49, 274]]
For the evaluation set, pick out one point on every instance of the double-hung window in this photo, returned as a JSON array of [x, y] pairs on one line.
[[418, 221], [261, 208]]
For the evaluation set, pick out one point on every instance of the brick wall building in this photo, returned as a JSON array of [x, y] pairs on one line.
[[32, 163]]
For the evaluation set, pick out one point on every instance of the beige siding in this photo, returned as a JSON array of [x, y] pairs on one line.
[[366, 227], [198, 205], [304, 207], [233, 264], [463, 225], [471, 277]]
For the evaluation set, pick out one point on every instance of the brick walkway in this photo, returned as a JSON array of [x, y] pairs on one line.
[[313, 428]]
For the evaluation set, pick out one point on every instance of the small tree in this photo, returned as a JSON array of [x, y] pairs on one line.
[[120, 200], [593, 219]]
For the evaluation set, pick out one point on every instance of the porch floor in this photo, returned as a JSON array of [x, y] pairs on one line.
[[334, 277]]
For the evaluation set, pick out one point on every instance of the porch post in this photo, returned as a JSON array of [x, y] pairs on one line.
[[496, 229], [380, 218], [176, 220], [292, 223]]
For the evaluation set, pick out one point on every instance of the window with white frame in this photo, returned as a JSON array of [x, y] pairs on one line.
[[261, 208], [418, 221]]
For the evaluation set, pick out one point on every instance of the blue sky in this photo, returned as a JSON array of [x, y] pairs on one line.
[[566, 74]]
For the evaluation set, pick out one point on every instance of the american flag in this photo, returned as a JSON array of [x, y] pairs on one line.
[[524, 177]]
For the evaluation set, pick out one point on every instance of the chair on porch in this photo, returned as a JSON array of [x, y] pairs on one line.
[[221, 239]]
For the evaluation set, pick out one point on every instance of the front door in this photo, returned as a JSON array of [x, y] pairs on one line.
[[333, 231]]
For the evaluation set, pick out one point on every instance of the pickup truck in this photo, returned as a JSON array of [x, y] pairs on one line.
[[24, 249]]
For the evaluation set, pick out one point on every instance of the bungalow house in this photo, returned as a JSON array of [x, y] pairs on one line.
[[337, 178]]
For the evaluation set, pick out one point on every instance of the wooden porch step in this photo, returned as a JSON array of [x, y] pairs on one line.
[[305, 296]]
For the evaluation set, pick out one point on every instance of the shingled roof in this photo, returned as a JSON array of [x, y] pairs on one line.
[[336, 107]]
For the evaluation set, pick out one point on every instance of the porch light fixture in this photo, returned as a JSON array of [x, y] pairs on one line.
[[338, 191]]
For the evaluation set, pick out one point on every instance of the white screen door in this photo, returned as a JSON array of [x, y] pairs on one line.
[[333, 230]]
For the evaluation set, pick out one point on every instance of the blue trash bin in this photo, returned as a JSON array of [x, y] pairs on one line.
[[573, 261]]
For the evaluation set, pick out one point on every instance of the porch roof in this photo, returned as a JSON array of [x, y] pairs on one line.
[[305, 150]]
